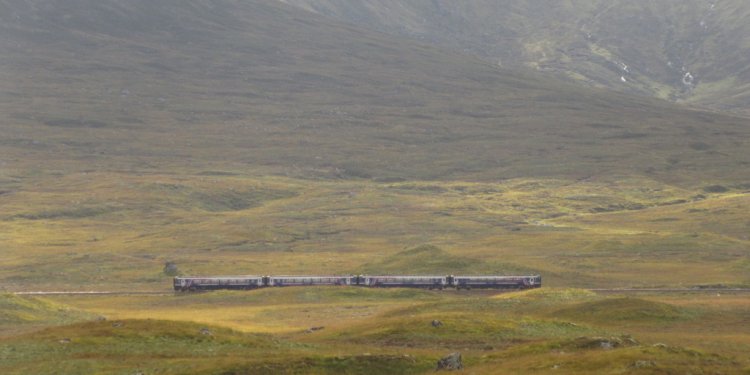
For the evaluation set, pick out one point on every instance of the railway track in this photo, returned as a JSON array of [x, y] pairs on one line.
[[671, 290], [92, 293]]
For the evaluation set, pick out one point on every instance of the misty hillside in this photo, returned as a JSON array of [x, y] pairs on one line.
[[260, 85], [694, 51]]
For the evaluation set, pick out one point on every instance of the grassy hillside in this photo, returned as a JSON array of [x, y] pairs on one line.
[[690, 51], [21, 314], [390, 332], [258, 85], [140, 133]]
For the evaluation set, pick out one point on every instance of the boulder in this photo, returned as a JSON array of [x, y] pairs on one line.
[[313, 329], [605, 343], [450, 362], [170, 269]]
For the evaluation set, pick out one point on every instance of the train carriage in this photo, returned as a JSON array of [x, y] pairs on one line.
[[309, 280], [214, 283], [496, 282], [429, 282]]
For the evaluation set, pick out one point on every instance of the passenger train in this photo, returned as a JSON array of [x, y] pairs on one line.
[[196, 283]]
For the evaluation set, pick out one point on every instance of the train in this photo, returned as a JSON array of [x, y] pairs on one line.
[[200, 283]]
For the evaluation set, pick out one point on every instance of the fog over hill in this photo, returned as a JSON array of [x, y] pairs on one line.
[[258, 84], [693, 51]]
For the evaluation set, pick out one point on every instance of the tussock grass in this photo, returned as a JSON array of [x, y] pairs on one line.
[[127, 345], [632, 310], [18, 312], [588, 356], [343, 227], [554, 295], [432, 260], [467, 330], [358, 364], [391, 331]]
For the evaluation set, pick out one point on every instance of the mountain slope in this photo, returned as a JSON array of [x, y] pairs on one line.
[[693, 51], [250, 136], [259, 85]]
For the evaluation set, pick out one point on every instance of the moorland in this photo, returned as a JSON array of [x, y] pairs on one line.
[[255, 137]]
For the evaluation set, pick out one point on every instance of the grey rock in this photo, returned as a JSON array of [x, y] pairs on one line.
[[450, 362], [171, 269], [643, 364]]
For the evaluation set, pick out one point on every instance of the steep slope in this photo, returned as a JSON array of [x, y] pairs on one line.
[[144, 86], [694, 51]]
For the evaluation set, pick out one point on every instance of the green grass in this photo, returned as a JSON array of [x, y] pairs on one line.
[[359, 364], [551, 227], [430, 259], [129, 345], [624, 309], [586, 356], [570, 330], [459, 330], [19, 313]]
